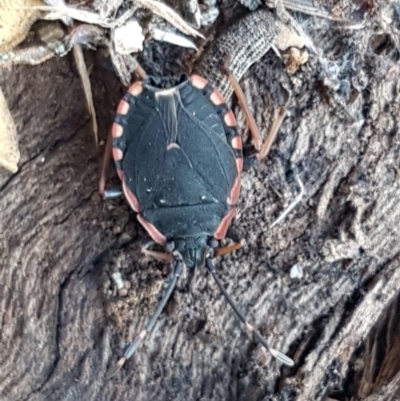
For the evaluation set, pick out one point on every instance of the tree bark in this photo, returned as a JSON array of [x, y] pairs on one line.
[[63, 320]]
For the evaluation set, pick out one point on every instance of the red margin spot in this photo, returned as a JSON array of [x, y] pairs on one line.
[[123, 107], [237, 142], [117, 154], [152, 230], [220, 232], [230, 119], [136, 88], [235, 191], [116, 130], [217, 98], [239, 165], [130, 197], [198, 81]]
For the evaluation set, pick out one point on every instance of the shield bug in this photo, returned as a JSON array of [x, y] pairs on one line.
[[179, 156]]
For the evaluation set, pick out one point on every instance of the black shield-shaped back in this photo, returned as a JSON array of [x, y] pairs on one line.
[[175, 155]]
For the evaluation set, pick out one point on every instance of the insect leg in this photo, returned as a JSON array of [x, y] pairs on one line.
[[228, 249], [112, 193], [255, 133], [160, 256], [105, 164], [107, 193], [275, 353], [263, 148], [150, 324]]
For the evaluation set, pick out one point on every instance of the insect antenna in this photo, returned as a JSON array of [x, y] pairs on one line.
[[275, 353], [133, 346]]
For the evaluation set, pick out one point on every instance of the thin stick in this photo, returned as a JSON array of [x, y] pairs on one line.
[[275, 353], [87, 88], [272, 133], [296, 201], [105, 164]]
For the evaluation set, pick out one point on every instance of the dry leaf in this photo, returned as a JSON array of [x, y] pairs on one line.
[[173, 38], [9, 152], [128, 38], [163, 11], [16, 18], [287, 38], [66, 20], [61, 11]]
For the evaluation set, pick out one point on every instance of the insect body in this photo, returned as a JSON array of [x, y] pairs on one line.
[[179, 157]]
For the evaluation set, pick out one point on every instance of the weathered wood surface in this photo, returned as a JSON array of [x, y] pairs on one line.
[[63, 324]]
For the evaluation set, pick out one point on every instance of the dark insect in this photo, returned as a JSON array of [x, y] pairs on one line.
[[179, 156]]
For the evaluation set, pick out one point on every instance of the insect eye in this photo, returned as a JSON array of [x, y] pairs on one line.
[[169, 246], [213, 243]]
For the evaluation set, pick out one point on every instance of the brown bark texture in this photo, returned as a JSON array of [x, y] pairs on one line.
[[63, 320]]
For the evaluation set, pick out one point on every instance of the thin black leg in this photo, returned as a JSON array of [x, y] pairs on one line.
[[275, 353], [150, 324]]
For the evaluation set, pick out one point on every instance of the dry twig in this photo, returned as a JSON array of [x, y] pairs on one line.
[[87, 89]]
